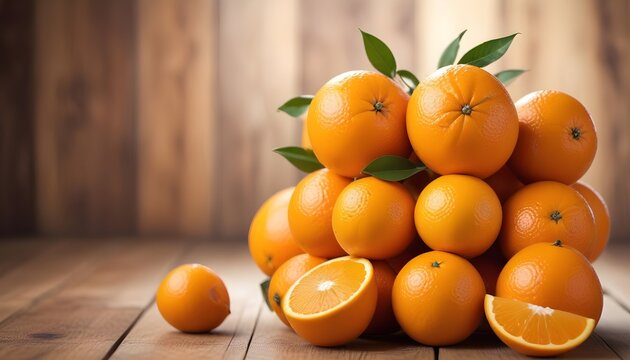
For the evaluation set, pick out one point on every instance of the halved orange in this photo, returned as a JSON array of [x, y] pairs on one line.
[[333, 303], [536, 330]]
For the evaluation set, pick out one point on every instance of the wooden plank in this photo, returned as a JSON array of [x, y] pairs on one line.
[[17, 190], [613, 269], [14, 252], [258, 62], [86, 315], [274, 340], [84, 131], [614, 327], [152, 337], [176, 115], [583, 55]]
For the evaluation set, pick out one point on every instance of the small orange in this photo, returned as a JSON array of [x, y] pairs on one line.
[[459, 214], [461, 120], [305, 140], [415, 248], [192, 298], [504, 183], [553, 275], [355, 118], [270, 239], [601, 216], [556, 140], [285, 276], [384, 321], [489, 266], [373, 218], [535, 330], [310, 213], [438, 298], [333, 303], [546, 211]]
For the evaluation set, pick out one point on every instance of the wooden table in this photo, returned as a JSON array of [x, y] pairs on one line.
[[94, 298]]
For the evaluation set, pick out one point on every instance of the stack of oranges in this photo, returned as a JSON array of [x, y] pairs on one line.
[[435, 210]]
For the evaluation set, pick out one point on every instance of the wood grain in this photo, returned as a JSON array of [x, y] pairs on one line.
[[614, 327], [613, 269], [84, 133], [17, 184], [176, 116]]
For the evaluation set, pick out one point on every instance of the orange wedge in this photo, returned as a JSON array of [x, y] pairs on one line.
[[535, 330], [333, 303]]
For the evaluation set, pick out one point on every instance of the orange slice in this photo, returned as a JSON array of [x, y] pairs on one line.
[[333, 303], [535, 330]]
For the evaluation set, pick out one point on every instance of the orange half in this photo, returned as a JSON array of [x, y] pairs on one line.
[[536, 330], [333, 303]]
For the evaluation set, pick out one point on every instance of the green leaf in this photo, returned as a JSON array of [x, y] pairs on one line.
[[409, 79], [450, 53], [507, 76], [296, 106], [303, 159], [379, 54], [264, 287], [488, 52], [393, 168]]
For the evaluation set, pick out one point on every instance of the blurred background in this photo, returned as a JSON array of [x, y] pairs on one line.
[[158, 117]]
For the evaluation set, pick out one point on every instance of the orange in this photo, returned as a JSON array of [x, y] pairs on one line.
[[305, 140], [383, 322], [373, 218], [546, 211], [310, 213], [415, 248], [461, 120], [489, 266], [556, 140], [285, 276], [535, 330], [192, 298], [438, 298], [600, 214], [270, 240], [459, 214], [504, 183], [552, 275], [355, 118], [333, 303]]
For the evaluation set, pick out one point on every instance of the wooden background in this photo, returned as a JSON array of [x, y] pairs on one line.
[[157, 117]]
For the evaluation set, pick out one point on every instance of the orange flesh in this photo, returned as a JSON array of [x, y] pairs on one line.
[[327, 287], [537, 324]]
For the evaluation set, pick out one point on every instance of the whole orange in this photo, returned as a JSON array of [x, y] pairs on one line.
[[459, 214], [461, 120], [355, 118], [546, 211], [553, 275], [373, 218], [305, 139], [285, 276], [383, 321], [270, 239], [310, 213], [504, 183], [415, 248], [556, 140], [192, 298], [438, 298], [600, 214], [489, 265]]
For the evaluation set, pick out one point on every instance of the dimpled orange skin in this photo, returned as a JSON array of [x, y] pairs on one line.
[[355, 118], [504, 183], [601, 216], [373, 218], [557, 139], [384, 321], [546, 211], [270, 240], [285, 276], [461, 120], [192, 298], [459, 214], [310, 213], [438, 298], [559, 277]]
